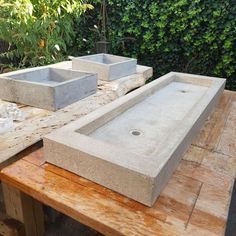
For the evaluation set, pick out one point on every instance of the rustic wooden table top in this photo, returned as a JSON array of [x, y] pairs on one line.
[[40, 122], [195, 201]]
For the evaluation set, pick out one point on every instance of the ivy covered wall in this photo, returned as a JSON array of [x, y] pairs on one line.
[[197, 36]]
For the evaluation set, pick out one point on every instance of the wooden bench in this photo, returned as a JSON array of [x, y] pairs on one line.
[[195, 201]]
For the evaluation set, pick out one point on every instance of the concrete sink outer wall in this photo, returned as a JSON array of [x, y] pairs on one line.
[[47, 87], [108, 67], [96, 146]]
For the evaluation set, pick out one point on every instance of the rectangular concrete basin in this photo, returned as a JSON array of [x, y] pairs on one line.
[[46, 87], [108, 67], [134, 144]]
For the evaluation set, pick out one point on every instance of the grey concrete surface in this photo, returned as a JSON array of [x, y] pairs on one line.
[[134, 144], [47, 88], [108, 67]]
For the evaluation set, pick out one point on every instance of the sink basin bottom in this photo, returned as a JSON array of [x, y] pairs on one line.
[[145, 126]]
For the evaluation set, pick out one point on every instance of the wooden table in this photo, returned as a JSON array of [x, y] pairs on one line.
[[195, 201]]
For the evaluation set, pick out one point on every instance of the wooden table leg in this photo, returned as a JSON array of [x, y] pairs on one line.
[[24, 209]]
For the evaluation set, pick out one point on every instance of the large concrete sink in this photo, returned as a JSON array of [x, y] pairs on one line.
[[134, 144], [47, 87], [108, 67]]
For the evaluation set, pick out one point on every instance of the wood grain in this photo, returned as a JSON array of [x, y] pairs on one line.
[[227, 142], [220, 162], [205, 175], [209, 135], [25, 209], [83, 204], [11, 227]]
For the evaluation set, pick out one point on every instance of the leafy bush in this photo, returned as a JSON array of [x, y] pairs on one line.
[[197, 36], [38, 31]]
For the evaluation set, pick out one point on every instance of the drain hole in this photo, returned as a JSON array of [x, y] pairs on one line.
[[183, 91], [135, 132]]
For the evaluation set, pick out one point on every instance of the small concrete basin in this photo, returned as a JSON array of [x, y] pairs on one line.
[[108, 67], [134, 144], [47, 87]]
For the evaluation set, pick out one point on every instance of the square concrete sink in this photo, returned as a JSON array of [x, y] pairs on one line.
[[134, 144], [108, 67], [46, 87]]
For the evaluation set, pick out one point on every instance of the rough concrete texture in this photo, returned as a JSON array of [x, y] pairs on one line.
[[46, 87], [108, 67], [134, 144]]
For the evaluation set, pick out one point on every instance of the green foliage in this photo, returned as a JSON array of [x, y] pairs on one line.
[[38, 31], [197, 36]]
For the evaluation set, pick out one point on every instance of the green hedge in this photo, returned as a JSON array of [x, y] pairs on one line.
[[197, 36]]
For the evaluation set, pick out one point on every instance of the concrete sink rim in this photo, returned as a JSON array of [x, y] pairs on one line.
[[80, 75], [121, 59]]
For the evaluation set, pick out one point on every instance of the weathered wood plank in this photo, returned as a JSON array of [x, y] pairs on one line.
[[227, 142], [194, 154], [170, 208], [24, 154], [24, 209], [12, 202], [175, 206], [83, 204], [11, 227], [202, 221], [212, 160], [178, 197], [213, 201], [205, 175], [220, 163], [35, 157], [209, 135]]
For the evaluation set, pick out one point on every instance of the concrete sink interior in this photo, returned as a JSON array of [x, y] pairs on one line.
[[47, 87], [134, 144], [108, 67]]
